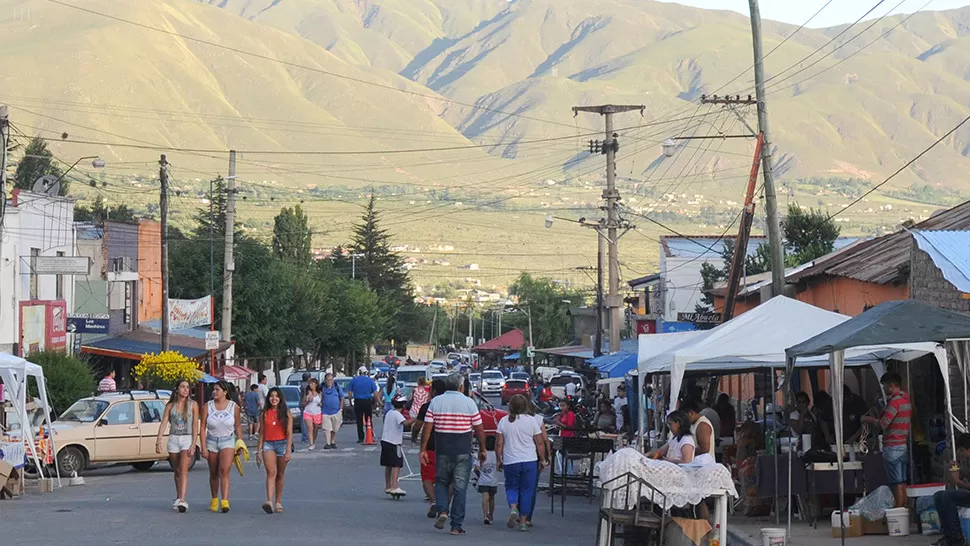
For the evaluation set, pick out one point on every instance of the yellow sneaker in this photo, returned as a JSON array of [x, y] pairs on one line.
[[225, 506], [214, 505]]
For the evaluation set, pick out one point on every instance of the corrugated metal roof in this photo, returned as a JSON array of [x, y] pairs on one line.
[[885, 259], [950, 251]]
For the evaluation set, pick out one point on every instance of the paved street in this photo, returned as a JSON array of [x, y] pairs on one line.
[[334, 496]]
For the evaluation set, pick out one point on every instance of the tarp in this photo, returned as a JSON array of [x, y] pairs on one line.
[[890, 323], [513, 356], [15, 371], [206, 378], [614, 365], [948, 250]]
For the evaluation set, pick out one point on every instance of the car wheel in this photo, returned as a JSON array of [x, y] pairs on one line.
[[70, 460], [143, 466]]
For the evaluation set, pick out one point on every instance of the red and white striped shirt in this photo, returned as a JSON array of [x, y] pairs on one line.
[[107, 385], [455, 416]]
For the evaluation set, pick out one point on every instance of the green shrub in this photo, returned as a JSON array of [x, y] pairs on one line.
[[69, 378]]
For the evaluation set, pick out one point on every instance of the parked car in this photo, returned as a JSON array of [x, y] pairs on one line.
[[348, 412], [513, 387], [116, 428], [492, 382], [490, 414], [291, 393], [558, 383]]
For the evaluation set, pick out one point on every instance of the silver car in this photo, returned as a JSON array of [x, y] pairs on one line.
[[492, 382]]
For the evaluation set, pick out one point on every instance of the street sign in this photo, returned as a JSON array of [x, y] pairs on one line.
[[530, 351], [58, 265], [700, 318], [212, 340], [88, 323]]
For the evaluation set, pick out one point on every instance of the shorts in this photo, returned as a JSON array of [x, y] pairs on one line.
[[490, 489], [315, 419], [253, 417], [428, 470], [218, 444], [331, 423], [391, 455], [279, 446], [178, 443], [897, 464]]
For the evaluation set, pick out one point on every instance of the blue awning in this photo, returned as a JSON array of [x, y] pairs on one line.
[[209, 379], [513, 356], [614, 365]]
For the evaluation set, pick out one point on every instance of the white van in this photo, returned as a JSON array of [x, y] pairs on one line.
[[407, 376]]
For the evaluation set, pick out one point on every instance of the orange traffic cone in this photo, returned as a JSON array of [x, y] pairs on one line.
[[369, 436]]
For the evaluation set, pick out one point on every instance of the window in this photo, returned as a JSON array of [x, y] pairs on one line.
[[121, 414], [59, 283], [152, 411], [34, 253]]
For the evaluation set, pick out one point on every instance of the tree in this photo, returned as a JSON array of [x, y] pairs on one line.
[[809, 234], [292, 240], [548, 303], [68, 378], [756, 263], [37, 161], [100, 211], [217, 216]]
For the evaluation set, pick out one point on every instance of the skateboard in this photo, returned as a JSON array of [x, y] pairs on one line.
[[396, 496]]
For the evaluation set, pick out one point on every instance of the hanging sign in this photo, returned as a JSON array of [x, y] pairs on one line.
[[184, 314]]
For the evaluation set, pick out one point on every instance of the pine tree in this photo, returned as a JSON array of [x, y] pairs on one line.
[[220, 204], [292, 240], [37, 161]]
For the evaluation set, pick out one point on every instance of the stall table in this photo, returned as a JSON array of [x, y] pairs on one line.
[[586, 448]]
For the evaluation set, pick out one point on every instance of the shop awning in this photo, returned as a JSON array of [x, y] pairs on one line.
[[512, 340], [133, 345], [234, 373], [513, 356], [614, 365]]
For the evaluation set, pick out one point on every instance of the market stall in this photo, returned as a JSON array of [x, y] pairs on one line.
[[15, 372], [885, 326]]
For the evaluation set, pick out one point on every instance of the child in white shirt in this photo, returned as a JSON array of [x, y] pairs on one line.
[[488, 480], [392, 452]]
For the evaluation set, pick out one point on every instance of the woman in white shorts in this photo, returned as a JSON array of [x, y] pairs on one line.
[[312, 412], [220, 439], [182, 418]]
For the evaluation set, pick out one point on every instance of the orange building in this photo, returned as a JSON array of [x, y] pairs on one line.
[[149, 271]]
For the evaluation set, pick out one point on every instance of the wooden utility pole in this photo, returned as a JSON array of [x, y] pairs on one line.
[[600, 254], [163, 205], [609, 147], [229, 262], [771, 199]]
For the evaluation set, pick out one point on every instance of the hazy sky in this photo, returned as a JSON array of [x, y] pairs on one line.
[[840, 11]]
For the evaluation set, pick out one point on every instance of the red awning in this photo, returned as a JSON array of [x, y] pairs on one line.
[[509, 341], [234, 373]]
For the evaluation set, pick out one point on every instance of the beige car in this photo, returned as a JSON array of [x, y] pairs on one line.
[[114, 428]]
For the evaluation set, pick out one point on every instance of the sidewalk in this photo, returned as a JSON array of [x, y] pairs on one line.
[[747, 532]]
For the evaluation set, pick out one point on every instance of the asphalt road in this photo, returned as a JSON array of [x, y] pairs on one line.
[[337, 497]]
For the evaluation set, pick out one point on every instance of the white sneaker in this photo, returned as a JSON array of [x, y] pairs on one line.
[[175, 504], [399, 491], [182, 507]]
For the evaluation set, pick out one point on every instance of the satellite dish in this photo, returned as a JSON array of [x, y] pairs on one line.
[[48, 184]]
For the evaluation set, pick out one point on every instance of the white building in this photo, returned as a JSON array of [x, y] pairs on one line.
[[34, 298]]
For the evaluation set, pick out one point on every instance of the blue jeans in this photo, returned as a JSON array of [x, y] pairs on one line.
[[948, 504], [520, 485], [452, 470], [535, 493], [897, 464]]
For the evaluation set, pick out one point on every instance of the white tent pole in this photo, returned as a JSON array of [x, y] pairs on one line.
[[942, 361], [838, 379], [790, 380], [45, 397]]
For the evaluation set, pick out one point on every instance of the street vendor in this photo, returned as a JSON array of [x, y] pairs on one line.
[[895, 422], [948, 503], [681, 446], [702, 430], [806, 420]]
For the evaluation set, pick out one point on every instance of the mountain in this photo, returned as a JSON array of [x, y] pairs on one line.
[[458, 112]]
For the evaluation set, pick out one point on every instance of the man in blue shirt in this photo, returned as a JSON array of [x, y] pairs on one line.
[[364, 390], [333, 411]]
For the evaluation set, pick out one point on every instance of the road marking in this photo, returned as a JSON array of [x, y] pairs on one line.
[[347, 449], [371, 449]]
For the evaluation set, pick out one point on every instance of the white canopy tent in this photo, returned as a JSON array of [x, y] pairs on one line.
[[14, 371]]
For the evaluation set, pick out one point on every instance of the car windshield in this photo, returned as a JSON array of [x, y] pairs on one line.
[[85, 411], [474, 377], [292, 396], [520, 375], [410, 376], [515, 384], [493, 375]]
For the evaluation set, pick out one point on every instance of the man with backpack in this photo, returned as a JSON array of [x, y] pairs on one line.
[[333, 411]]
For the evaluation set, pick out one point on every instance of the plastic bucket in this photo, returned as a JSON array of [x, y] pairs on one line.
[[773, 537], [965, 522], [897, 519]]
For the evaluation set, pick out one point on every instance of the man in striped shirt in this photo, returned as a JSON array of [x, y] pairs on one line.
[[895, 423], [453, 417], [108, 383]]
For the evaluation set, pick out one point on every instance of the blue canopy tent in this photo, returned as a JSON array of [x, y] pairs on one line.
[[209, 379], [513, 356], [614, 365]]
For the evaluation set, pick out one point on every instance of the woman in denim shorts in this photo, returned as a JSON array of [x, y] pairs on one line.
[[222, 428], [275, 447]]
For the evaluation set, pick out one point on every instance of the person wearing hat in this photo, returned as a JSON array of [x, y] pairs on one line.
[[392, 450], [365, 393]]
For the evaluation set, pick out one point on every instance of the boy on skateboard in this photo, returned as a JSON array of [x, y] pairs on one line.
[[392, 453]]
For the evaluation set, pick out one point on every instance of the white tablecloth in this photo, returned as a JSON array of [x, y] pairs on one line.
[[13, 453], [682, 485]]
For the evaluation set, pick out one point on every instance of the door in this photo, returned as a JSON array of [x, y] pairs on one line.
[[151, 412], [116, 436]]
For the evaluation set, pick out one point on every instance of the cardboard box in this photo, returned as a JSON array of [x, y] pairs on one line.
[[853, 530], [877, 527]]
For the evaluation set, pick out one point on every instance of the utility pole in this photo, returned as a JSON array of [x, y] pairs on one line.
[[612, 197], [163, 205], [600, 254], [229, 262], [771, 200], [4, 146], [434, 322]]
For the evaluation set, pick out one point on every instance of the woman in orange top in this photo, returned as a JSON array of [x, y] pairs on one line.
[[275, 447]]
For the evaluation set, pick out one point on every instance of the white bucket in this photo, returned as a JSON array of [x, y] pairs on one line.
[[773, 537], [897, 519]]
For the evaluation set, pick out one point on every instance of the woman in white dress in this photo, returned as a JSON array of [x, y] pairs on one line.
[[681, 447]]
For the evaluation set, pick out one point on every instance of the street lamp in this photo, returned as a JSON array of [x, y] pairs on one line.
[[670, 147], [97, 163]]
